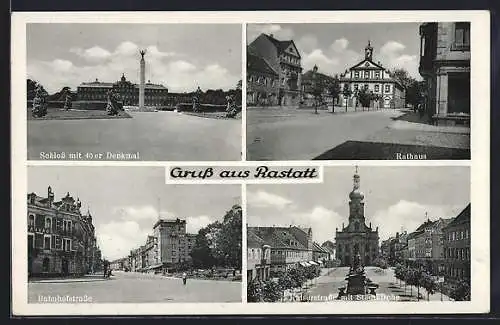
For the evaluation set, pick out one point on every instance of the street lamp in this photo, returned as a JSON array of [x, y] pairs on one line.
[[346, 92]]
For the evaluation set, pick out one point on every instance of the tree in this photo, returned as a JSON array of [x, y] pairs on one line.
[[254, 291], [428, 284], [364, 97], [461, 292], [201, 252], [334, 90], [228, 240], [317, 91], [347, 92], [31, 88], [271, 291]]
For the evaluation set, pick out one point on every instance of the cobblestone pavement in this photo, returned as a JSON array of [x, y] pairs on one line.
[[326, 287], [133, 287], [169, 136]]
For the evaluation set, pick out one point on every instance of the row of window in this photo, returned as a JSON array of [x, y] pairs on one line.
[[457, 272], [121, 90], [366, 74], [48, 242], [260, 80], [289, 253], [458, 235], [39, 222], [376, 88], [462, 254], [290, 59], [354, 247], [256, 253]]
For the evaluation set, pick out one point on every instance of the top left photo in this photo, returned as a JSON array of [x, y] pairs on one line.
[[134, 92]]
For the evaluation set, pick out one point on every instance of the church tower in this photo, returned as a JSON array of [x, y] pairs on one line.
[[357, 238], [369, 51]]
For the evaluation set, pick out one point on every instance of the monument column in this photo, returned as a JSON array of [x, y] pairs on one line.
[[142, 80]]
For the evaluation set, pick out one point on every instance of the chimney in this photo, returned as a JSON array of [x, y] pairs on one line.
[[50, 196]]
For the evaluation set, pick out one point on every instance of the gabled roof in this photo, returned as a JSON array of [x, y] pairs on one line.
[[281, 45], [256, 63], [279, 237], [463, 217], [254, 241], [362, 63]]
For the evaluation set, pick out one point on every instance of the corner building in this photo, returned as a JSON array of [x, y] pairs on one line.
[[357, 237], [61, 240]]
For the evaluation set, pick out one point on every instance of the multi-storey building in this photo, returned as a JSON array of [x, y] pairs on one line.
[[357, 238], [319, 253], [258, 257], [154, 94], [290, 246], [262, 82], [375, 79], [174, 244], [330, 247], [445, 66], [284, 58], [61, 240], [314, 82], [457, 247]]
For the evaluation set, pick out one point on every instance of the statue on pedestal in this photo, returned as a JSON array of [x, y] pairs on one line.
[[67, 102], [196, 100], [231, 109], [114, 103], [39, 108]]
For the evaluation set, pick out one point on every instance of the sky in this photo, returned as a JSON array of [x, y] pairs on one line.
[[337, 47], [396, 199], [124, 201], [179, 56]]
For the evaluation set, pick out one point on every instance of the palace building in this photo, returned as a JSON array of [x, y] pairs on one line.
[[357, 238], [262, 82], [284, 59], [374, 78], [61, 240], [155, 94], [445, 66]]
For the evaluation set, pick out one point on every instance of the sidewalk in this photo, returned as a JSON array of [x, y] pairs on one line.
[[85, 278], [436, 296]]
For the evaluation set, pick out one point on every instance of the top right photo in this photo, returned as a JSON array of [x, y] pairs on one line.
[[358, 91]]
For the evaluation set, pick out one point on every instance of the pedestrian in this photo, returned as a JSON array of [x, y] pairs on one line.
[[184, 278]]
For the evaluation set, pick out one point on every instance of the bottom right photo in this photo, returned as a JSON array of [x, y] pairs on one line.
[[365, 233]]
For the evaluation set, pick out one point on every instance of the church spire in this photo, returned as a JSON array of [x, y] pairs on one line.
[[356, 179]]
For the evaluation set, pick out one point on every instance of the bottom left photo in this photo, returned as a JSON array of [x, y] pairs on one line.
[[121, 235]]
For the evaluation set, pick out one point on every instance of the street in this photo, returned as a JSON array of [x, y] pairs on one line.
[[281, 134], [389, 287], [124, 287], [168, 136]]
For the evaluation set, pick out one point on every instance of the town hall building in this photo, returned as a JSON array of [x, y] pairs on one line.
[[357, 238], [374, 78]]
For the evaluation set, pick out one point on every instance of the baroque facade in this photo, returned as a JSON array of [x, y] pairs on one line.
[[374, 78], [284, 58], [445, 66], [61, 240], [357, 238], [155, 94]]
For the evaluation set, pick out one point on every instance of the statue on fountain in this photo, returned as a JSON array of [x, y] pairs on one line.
[[39, 108], [356, 278], [231, 109]]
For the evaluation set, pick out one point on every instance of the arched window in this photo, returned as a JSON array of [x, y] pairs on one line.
[[356, 226], [48, 223], [31, 220]]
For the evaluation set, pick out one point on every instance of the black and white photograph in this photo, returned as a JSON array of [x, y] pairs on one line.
[[149, 92], [385, 91], [365, 234], [121, 235]]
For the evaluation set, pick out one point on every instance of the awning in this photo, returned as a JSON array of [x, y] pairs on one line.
[[313, 263], [320, 262], [303, 263], [307, 264]]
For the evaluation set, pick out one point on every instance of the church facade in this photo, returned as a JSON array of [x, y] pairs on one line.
[[357, 238], [374, 78]]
